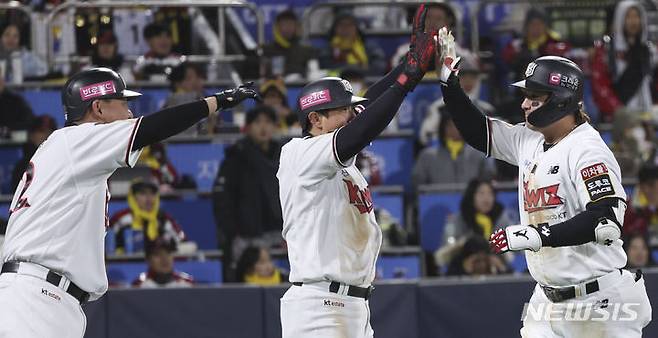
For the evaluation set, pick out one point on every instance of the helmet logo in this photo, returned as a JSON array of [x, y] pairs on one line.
[[554, 79], [314, 99], [557, 79], [97, 89], [347, 85], [531, 69]]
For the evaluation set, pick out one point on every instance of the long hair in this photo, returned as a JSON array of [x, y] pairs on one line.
[[247, 262], [581, 115], [467, 205]]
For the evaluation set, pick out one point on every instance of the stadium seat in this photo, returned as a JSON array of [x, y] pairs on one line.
[[9, 155], [205, 272], [396, 159], [200, 161]]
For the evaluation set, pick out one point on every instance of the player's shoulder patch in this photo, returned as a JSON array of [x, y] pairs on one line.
[[593, 170]]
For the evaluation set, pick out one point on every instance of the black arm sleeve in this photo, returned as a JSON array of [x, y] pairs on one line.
[[580, 228], [379, 87], [470, 121], [357, 134], [169, 122]]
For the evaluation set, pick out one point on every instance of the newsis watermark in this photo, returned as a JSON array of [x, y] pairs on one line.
[[601, 311]]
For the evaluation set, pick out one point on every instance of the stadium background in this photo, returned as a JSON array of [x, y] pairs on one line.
[[411, 300]]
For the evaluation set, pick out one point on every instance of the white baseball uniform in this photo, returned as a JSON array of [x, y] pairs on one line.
[[58, 221], [332, 235], [556, 184]]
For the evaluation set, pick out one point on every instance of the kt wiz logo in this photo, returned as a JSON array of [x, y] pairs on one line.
[[359, 198], [540, 198]]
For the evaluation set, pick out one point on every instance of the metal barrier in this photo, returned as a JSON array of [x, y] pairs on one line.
[[220, 4], [351, 3]]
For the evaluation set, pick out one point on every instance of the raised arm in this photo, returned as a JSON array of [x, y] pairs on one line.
[[389, 92], [171, 121]]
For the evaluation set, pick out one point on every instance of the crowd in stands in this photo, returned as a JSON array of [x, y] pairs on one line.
[[622, 65]]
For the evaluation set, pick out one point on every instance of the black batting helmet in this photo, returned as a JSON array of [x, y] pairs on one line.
[[559, 77], [89, 85], [325, 93]]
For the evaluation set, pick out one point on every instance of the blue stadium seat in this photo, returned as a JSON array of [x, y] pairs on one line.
[[433, 210], [392, 267], [4, 210], [201, 161], [396, 155], [9, 155], [393, 203], [194, 215], [205, 272]]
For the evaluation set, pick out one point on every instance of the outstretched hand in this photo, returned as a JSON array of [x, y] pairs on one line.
[[421, 51], [446, 54], [230, 98]]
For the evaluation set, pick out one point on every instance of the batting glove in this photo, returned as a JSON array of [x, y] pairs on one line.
[[421, 52], [230, 98], [448, 55], [515, 238]]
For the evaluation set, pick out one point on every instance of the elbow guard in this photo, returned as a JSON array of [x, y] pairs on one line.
[[606, 232], [608, 229]]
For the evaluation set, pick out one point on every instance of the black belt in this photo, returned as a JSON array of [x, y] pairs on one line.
[[354, 291], [52, 278], [557, 295]]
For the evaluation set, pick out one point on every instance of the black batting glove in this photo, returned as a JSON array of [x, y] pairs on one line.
[[230, 98], [421, 52]]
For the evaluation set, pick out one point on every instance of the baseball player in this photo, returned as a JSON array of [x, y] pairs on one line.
[[53, 255], [328, 220], [571, 202]]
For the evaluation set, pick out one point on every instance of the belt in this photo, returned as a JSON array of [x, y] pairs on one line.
[[342, 289], [560, 294], [49, 276]]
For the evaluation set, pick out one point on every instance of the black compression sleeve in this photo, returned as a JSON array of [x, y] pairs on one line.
[[580, 228], [357, 134], [384, 83], [470, 121], [169, 122]]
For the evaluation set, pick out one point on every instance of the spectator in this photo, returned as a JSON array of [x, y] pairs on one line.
[[155, 158], [31, 65], [255, 267], [288, 56], [475, 259], [143, 222], [186, 82], [453, 161], [160, 59], [246, 192], [637, 251], [633, 140], [479, 213], [275, 96], [16, 112], [348, 47], [470, 80], [623, 63], [106, 54], [161, 273], [537, 40], [40, 128], [642, 210]]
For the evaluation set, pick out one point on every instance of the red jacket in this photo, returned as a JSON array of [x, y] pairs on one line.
[[604, 95]]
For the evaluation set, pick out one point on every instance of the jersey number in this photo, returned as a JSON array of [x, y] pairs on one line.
[[22, 200]]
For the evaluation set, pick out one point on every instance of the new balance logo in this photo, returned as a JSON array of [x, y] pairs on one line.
[[553, 170]]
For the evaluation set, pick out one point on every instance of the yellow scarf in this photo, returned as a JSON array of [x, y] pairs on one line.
[[279, 39], [485, 223], [535, 44], [148, 159], [356, 50], [149, 217], [258, 280], [454, 147]]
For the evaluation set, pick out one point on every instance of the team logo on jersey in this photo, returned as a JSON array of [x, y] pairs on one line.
[[540, 198], [314, 99], [360, 198], [97, 89]]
